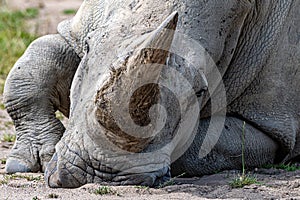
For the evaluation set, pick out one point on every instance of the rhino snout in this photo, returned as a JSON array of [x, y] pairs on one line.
[[57, 176]]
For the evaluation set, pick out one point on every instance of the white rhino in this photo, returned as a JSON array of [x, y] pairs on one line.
[[140, 110]]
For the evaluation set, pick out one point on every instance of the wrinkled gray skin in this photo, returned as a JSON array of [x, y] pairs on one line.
[[255, 44]]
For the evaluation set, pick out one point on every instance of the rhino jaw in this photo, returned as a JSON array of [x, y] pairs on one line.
[[127, 99]]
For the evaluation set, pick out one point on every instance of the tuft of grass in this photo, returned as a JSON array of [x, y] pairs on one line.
[[31, 12], [3, 161], [8, 124], [170, 182], [14, 38], [19, 176], [31, 178], [9, 138], [69, 11], [3, 181], [287, 167], [2, 107], [243, 149], [35, 198], [103, 190], [141, 187], [244, 179], [53, 196], [59, 115], [7, 178], [10, 177]]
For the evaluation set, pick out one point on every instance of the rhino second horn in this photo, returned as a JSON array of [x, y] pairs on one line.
[[138, 76]]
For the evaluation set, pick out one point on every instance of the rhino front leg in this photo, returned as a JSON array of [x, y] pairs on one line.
[[38, 86]]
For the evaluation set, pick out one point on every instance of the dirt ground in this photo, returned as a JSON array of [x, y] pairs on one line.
[[273, 183]]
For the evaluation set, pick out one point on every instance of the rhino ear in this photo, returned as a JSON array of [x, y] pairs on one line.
[[124, 102]]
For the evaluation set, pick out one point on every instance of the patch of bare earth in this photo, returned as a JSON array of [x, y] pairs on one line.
[[274, 184]]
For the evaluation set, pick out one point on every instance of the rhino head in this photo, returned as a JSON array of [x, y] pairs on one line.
[[119, 130]]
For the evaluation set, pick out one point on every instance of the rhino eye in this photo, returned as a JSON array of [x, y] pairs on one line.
[[201, 92]]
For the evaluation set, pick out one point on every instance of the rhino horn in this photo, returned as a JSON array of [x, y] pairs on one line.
[[157, 44], [133, 89]]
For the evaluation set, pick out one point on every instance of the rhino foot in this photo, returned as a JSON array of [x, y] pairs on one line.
[[15, 165], [32, 154]]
